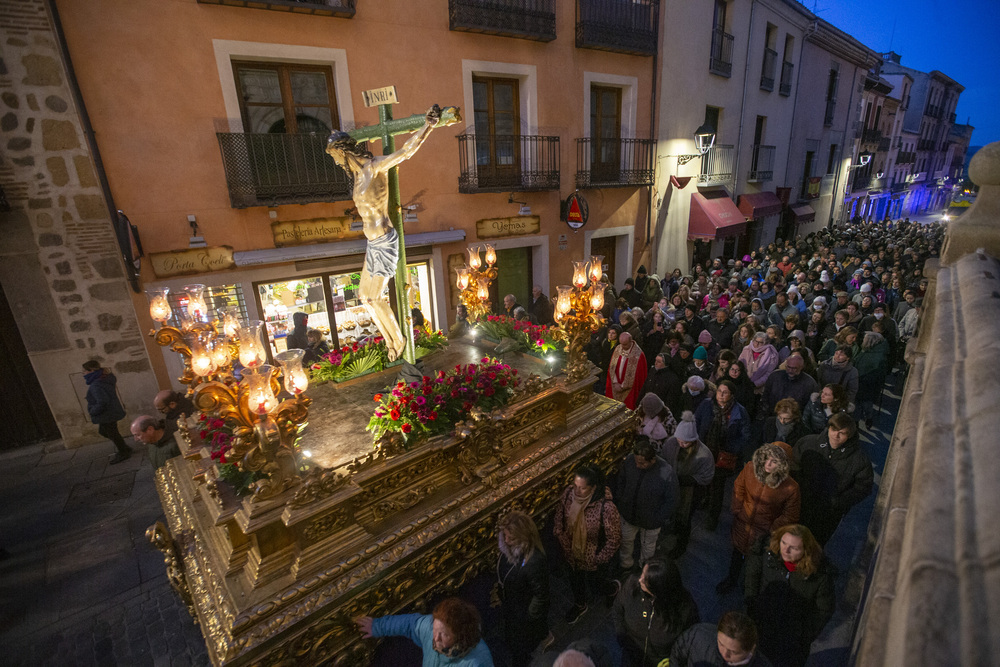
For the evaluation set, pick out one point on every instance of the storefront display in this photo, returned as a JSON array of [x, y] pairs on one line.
[[279, 301]]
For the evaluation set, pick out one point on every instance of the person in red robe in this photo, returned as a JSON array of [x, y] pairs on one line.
[[626, 373]]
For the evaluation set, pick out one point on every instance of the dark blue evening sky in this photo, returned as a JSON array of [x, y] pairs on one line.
[[957, 37]]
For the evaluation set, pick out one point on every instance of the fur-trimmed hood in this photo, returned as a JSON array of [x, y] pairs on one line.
[[774, 479]]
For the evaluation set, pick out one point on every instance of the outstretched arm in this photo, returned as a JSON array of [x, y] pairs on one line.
[[412, 144]]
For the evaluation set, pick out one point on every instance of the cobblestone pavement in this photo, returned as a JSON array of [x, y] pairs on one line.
[[82, 586]]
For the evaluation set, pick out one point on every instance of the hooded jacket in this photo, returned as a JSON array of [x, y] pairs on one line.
[[103, 405], [762, 501]]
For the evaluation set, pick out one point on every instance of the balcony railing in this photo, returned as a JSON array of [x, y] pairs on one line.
[[273, 169], [884, 144], [767, 69], [614, 163], [925, 145], [934, 111], [622, 26], [341, 8], [761, 163], [899, 187], [871, 136], [501, 163], [717, 165], [785, 87], [906, 157], [831, 106], [523, 19], [721, 62]]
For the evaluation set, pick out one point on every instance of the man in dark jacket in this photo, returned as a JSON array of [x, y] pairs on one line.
[[104, 407], [722, 328], [299, 338], [645, 493], [663, 382], [541, 307], [732, 642], [834, 475], [789, 382], [631, 295]]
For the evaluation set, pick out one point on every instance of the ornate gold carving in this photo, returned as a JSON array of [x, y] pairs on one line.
[[325, 524], [381, 510], [159, 536], [528, 387], [318, 483]]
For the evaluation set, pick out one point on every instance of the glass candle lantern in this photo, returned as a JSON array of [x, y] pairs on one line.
[[483, 292], [260, 396], [580, 274], [463, 277], [196, 302], [564, 302], [202, 363], [597, 296], [252, 351], [596, 268], [159, 306], [220, 351], [296, 378], [491, 255], [229, 319], [474, 261]]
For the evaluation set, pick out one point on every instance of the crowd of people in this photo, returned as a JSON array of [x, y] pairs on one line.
[[751, 378]]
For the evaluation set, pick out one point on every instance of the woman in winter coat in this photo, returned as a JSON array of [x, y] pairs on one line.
[[656, 422], [694, 464], [824, 404], [650, 612], [745, 390], [742, 337], [847, 336], [104, 408], [588, 528], [760, 358], [838, 369], [872, 363], [523, 585], [723, 425], [785, 425], [789, 593], [765, 497]]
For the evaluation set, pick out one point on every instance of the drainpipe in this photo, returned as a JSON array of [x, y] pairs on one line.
[[743, 104], [88, 129]]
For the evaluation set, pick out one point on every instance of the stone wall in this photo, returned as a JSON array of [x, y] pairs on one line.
[[59, 261]]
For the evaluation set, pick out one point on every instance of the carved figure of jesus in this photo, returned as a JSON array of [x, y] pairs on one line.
[[371, 196]]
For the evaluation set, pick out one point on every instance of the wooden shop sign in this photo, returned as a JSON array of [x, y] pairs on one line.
[[518, 225], [194, 260], [314, 230]]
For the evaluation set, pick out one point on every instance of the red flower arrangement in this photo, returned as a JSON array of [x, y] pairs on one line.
[[433, 405]]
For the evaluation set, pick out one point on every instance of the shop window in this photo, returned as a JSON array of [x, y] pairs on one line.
[[216, 297]]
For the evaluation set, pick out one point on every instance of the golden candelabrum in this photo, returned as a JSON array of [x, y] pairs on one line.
[[578, 314], [214, 353], [474, 280]]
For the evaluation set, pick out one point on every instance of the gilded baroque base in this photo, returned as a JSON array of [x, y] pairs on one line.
[[278, 582]]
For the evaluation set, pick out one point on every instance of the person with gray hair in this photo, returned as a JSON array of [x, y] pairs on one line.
[[158, 435]]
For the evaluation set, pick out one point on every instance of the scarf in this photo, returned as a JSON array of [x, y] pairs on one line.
[[577, 521], [716, 439], [782, 430]]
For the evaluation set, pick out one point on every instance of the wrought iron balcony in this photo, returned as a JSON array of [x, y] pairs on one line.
[[871, 136], [622, 26], [721, 62], [717, 165], [273, 169], [884, 144], [831, 106], [785, 87], [767, 69], [341, 8], [502, 163], [523, 19], [761, 163], [614, 163], [906, 157]]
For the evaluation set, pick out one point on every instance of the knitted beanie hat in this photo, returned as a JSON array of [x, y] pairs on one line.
[[687, 430]]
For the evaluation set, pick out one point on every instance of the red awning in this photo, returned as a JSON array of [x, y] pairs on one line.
[[759, 205], [714, 218], [803, 213]]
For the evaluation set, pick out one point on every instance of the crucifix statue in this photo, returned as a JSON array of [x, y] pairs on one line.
[[376, 195]]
